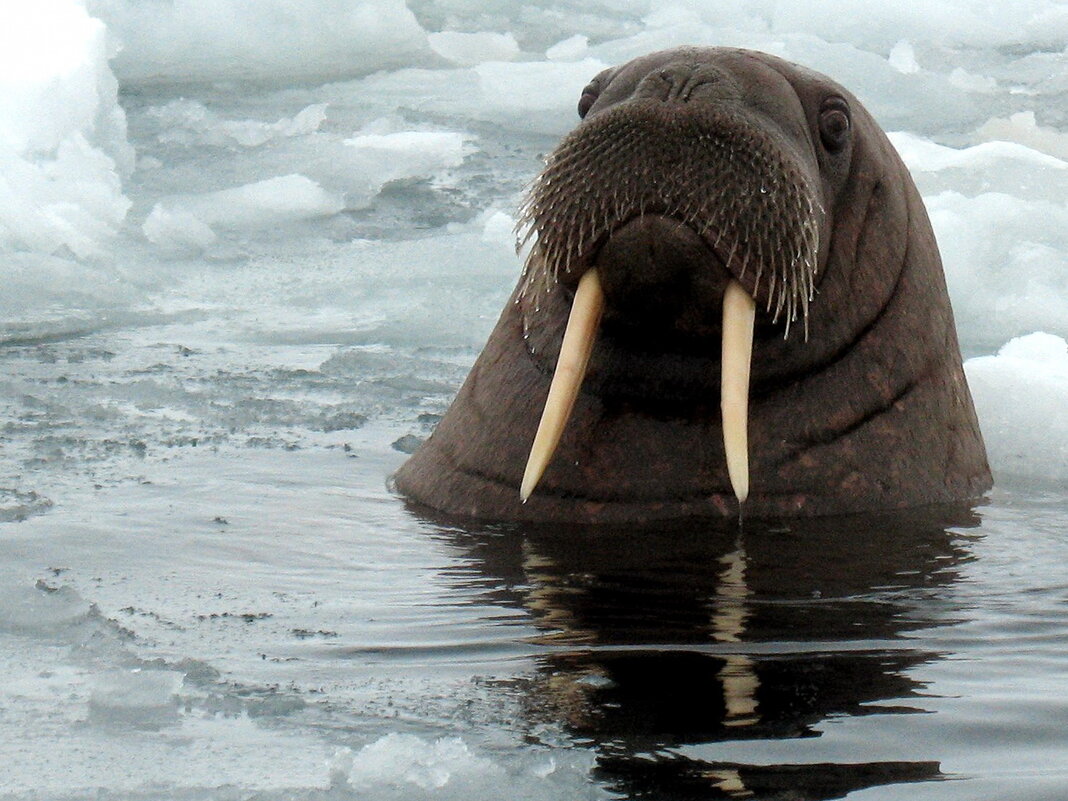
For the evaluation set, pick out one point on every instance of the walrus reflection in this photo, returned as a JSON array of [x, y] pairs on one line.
[[686, 637]]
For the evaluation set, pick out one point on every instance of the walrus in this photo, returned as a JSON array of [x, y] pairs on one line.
[[732, 300]]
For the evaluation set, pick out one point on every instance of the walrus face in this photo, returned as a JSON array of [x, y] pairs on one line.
[[696, 189], [729, 266], [683, 174]]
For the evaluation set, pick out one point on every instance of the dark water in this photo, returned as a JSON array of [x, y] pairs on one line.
[[697, 661]]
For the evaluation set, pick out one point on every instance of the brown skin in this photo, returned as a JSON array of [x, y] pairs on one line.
[[870, 411]]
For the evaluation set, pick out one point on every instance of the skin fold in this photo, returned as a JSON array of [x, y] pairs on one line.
[[691, 168]]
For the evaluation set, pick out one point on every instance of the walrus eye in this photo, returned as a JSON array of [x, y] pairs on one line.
[[834, 124], [589, 98]]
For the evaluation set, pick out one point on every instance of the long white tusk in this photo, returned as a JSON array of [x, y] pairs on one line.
[[575, 351], [739, 312]]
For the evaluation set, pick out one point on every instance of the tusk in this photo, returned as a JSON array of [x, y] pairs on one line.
[[570, 369], [739, 310]]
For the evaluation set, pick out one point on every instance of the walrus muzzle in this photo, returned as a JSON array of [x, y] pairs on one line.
[[672, 207]]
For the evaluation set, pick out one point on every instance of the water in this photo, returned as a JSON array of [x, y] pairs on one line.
[[316, 640], [222, 330]]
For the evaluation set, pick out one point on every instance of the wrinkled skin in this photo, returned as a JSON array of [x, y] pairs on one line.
[[861, 406]]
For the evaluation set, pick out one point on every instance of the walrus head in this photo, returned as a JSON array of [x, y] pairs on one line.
[[731, 274]]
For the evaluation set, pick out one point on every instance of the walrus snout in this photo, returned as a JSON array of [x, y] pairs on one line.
[[659, 275], [708, 165]]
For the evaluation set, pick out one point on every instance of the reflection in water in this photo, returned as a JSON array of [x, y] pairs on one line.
[[651, 640]]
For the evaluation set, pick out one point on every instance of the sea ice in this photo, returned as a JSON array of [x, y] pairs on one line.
[[399, 759], [405, 766], [187, 220], [903, 58], [1005, 259], [135, 697], [535, 88], [1023, 128], [371, 160], [29, 608], [468, 49], [573, 48], [205, 40], [1026, 439], [63, 147], [191, 123]]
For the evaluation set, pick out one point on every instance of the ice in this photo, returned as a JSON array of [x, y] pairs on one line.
[[205, 40], [1026, 439], [468, 49], [1006, 271], [405, 766], [15, 505], [903, 58], [63, 144], [927, 156], [191, 123], [135, 697], [188, 220], [958, 22], [29, 608], [572, 48], [969, 82], [55, 81], [999, 213], [399, 759], [525, 96], [499, 228], [177, 229], [1023, 128], [535, 87]]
